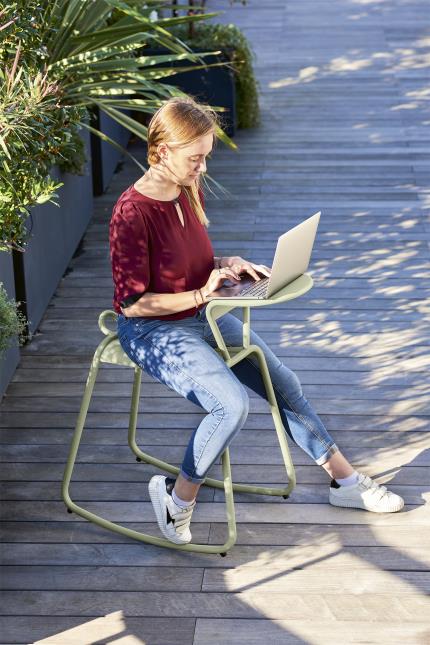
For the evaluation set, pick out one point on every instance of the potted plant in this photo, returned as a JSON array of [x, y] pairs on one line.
[[232, 42], [12, 327], [60, 62], [233, 86]]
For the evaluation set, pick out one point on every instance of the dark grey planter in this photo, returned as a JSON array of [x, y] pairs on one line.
[[10, 359], [55, 236], [215, 85], [105, 157]]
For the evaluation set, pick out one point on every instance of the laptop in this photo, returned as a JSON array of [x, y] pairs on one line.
[[292, 256]]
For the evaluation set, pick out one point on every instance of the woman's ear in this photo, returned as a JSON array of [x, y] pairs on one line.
[[162, 150]]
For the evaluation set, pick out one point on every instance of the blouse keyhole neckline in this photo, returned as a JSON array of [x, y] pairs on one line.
[[179, 212]]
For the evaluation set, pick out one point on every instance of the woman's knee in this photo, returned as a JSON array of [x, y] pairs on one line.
[[234, 405], [289, 382]]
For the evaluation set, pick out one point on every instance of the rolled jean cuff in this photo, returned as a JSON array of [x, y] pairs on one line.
[[326, 456], [194, 480]]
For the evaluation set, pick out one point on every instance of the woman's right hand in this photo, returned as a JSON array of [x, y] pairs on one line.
[[217, 278]]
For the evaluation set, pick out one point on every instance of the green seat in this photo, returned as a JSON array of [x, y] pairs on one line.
[[110, 351]]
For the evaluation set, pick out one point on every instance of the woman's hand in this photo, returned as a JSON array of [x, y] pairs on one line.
[[216, 279], [239, 266]]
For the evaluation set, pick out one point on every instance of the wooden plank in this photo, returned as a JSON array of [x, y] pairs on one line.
[[211, 631], [82, 532], [329, 534], [401, 608], [260, 512], [120, 578], [116, 626], [127, 575], [310, 580], [267, 535]]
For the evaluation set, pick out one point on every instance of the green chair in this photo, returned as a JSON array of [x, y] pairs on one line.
[[110, 351]]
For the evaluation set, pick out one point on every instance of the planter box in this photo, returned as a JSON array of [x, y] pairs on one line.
[[10, 359], [55, 236], [105, 157], [214, 86]]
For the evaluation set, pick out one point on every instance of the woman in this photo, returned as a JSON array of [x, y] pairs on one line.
[[164, 271]]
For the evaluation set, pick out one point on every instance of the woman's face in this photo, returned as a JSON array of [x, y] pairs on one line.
[[185, 164]]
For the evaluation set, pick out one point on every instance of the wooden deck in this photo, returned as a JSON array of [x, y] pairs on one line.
[[344, 95]]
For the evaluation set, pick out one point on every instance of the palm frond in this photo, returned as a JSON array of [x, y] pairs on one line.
[[113, 143], [124, 120]]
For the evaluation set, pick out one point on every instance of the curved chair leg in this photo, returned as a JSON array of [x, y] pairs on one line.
[[118, 528], [216, 483]]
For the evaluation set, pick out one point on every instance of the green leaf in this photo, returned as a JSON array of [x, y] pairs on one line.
[[3, 145], [129, 123], [113, 143], [176, 20], [87, 57]]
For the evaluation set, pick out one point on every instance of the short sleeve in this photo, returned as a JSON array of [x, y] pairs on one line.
[[129, 251]]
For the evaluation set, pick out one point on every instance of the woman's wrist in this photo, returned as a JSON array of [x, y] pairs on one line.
[[199, 297]]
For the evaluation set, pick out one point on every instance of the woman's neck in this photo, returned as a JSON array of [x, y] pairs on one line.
[[155, 185]]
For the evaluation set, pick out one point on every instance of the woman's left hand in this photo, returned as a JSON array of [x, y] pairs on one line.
[[239, 265]]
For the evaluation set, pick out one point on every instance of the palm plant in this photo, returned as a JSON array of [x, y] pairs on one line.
[[84, 54]]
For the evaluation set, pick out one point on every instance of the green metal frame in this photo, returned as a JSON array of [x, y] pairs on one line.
[[110, 351]]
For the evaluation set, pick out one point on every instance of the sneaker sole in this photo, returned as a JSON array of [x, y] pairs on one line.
[[346, 503], [156, 493]]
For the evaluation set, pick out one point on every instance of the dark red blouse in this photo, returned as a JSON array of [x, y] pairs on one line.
[[151, 251]]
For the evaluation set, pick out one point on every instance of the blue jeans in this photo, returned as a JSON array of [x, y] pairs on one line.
[[181, 354]]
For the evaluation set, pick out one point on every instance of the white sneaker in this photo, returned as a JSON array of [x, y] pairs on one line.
[[173, 520], [365, 494]]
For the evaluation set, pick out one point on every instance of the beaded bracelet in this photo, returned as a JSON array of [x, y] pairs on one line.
[[195, 298]]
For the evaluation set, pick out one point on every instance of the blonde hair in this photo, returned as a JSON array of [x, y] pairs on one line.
[[183, 121]]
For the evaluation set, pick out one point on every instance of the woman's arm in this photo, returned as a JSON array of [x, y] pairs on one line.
[[162, 304]]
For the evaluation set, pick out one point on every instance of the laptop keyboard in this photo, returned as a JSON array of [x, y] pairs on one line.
[[257, 289]]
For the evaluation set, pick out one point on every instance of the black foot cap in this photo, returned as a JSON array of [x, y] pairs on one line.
[[223, 555], [138, 459], [69, 511], [285, 496]]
